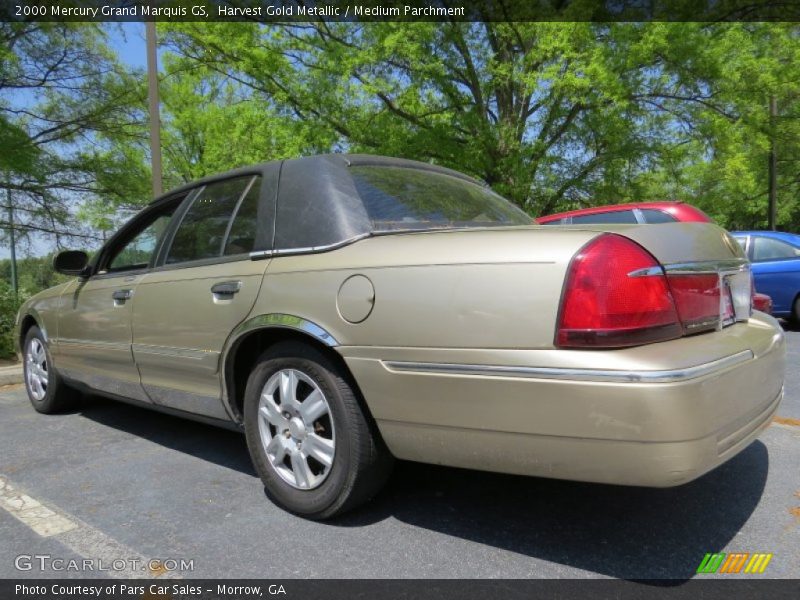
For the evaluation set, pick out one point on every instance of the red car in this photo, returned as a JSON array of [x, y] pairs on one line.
[[635, 212], [644, 213]]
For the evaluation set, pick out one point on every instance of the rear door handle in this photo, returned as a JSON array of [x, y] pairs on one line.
[[226, 289], [120, 296]]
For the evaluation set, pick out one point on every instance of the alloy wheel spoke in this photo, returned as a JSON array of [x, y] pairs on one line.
[[320, 449], [289, 388], [302, 472], [313, 407], [276, 449], [270, 412]]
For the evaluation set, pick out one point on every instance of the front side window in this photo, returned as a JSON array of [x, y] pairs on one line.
[[398, 198], [609, 218], [136, 251], [204, 229], [769, 249]]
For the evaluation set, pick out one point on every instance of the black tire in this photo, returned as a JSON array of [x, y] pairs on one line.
[[58, 396], [361, 462], [796, 312]]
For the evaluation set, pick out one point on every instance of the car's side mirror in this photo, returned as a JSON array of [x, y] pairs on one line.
[[71, 262]]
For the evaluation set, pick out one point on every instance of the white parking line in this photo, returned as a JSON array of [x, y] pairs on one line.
[[103, 552]]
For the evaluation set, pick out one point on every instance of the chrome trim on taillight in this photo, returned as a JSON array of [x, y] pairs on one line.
[[734, 276], [647, 272], [709, 266]]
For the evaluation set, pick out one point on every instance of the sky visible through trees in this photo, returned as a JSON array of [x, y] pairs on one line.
[[553, 116]]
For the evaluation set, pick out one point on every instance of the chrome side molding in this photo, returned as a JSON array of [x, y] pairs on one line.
[[259, 254], [285, 321], [597, 375]]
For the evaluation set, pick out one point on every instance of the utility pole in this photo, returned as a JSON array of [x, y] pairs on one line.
[[773, 164], [12, 237], [155, 119]]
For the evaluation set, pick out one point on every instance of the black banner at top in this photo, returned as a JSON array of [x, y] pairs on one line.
[[267, 11]]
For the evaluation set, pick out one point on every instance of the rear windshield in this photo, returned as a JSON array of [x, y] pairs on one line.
[[402, 199]]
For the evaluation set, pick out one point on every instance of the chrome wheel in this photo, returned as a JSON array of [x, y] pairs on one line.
[[36, 369], [296, 428]]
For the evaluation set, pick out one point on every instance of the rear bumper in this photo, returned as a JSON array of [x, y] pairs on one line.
[[659, 417]]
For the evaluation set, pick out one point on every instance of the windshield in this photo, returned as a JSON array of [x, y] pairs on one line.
[[401, 199]]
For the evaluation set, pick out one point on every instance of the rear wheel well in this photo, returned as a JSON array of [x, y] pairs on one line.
[[243, 358], [27, 322]]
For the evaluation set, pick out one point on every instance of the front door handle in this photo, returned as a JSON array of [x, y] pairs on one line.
[[226, 289], [120, 296]]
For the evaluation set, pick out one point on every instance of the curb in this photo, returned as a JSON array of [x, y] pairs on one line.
[[10, 375]]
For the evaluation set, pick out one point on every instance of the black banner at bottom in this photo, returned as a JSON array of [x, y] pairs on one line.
[[418, 589]]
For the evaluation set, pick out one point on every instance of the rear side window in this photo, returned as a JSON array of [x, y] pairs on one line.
[[617, 216], [205, 229], [769, 249], [398, 198], [652, 215], [242, 236]]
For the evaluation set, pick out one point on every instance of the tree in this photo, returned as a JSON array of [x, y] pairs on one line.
[[552, 115], [211, 123], [68, 112]]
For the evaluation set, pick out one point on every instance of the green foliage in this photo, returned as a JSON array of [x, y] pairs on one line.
[[70, 120], [552, 115], [34, 273], [211, 124], [9, 304]]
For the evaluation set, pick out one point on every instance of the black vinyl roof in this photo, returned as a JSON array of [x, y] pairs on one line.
[[316, 202], [311, 164]]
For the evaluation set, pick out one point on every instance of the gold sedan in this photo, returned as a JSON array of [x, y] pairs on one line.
[[345, 310]]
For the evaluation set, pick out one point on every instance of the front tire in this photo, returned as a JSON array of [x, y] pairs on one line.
[[316, 451], [46, 389]]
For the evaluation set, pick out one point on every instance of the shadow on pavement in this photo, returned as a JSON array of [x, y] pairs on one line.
[[624, 532], [213, 444]]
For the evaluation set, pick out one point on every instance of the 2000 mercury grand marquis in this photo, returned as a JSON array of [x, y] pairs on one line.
[[344, 310]]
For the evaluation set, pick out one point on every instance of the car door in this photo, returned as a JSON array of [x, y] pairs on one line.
[[204, 285], [776, 270], [94, 321]]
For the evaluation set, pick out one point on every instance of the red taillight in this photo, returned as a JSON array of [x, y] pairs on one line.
[[616, 295], [697, 298], [762, 302]]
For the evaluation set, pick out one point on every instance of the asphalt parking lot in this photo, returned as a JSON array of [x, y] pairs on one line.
[[115, 481]]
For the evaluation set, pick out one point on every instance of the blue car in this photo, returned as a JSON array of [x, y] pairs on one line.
[[776, 268]]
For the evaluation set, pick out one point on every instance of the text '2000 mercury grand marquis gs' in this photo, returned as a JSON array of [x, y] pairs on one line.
[[345, 310]]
